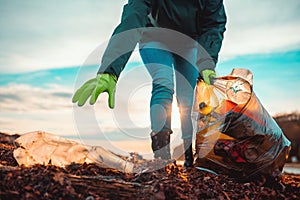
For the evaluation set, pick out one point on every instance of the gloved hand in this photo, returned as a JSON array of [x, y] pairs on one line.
[[208, 75], [93, 87]]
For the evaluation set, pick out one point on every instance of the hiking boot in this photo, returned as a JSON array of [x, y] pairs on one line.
[[188, 153], [161, 144]]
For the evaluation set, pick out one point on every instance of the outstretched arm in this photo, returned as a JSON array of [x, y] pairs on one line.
[[125, 36], [116, 55], [212, 22]]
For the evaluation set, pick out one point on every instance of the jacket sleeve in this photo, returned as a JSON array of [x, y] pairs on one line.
[[212, 27], [125, 36]]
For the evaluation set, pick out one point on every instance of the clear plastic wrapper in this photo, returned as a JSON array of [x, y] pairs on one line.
[[234, 132], [44, 148]]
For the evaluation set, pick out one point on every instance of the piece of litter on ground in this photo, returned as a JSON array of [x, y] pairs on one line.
[[206, 170]]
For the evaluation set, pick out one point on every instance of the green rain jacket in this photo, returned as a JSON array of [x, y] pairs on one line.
[[201, 19]]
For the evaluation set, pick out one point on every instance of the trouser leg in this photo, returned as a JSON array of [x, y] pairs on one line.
[[159, 65], [186, 79]]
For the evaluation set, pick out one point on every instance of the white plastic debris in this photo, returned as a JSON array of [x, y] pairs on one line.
[[44, 148]]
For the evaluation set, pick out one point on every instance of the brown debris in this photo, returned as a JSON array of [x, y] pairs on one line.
[[89, 181]]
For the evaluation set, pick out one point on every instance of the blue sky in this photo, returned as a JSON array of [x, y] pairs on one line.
[[44, 44]]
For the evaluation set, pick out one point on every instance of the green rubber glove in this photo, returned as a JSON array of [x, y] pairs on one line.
[[93, 87], [208, 75]]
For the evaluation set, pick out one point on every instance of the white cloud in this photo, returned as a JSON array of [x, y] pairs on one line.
[[255, 27], [27, 108], [36, 35], [25, 98], [261, 40]]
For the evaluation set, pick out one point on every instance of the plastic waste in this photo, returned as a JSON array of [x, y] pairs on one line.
[[234, 132], [44, 148]]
